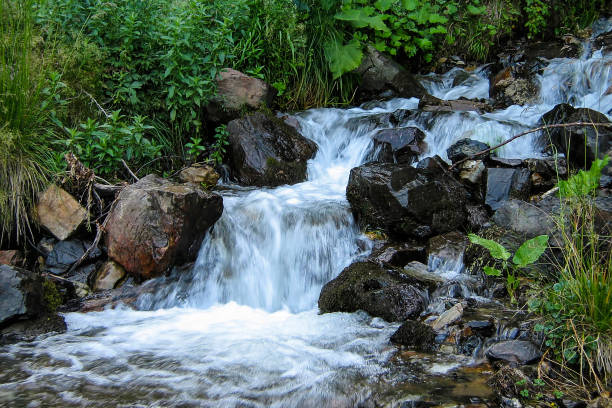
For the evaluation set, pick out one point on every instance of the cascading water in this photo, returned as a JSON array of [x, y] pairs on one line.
[[242, 328]]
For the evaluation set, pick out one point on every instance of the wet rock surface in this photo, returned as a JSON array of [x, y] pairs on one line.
[[399, 145], [265, 151], [406, 201], [430, 103], [503, 184], [366, 286], [514, 351], [524, 218], [65, 253], [157, 223], [21, 294], [465, 148], [416, 335]]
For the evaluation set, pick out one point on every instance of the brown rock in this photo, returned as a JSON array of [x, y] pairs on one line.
[[59, 212], [11, 257], [108, 276], [157, 223], [200, 174], [236, 91]]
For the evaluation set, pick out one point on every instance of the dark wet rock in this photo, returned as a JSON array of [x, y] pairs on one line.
[[514, 351], [399, 254], [12, 257], [28, 330], [265, 151], [416, 335], [465, 148], [580, 144], [290, 120], [383, 78], [21, 294], [446, 251], [503, 162], [66, 253], [546, 172], [236, 92], [366, 286], [484, 328], [503, 184], [429, 103], [157, 223], [603, 41], [433, 164], [406, 201], [526, 219], [59, 212], [399, 145]]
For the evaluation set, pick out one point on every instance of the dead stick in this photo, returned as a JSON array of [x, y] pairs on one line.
[[563, 125], [128, 169]]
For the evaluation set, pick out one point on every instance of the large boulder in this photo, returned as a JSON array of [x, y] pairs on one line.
[[406, 201], [265, 151], [399, 145], [581, 144], [157, 223], [465, 148], [235, 92], [524, 218], [21, 294], [59, 212], [383, 78], [503, 184], [369, 287]]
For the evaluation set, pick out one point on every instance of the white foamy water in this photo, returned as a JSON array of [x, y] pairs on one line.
[[242, 328]]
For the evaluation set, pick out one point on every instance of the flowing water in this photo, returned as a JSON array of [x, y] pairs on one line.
[[242, 328]]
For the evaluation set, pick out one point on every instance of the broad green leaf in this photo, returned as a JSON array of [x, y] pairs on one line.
[[410, 5], [490, 271], [342, 58], [584, 182], [437, 18], [363, 17], [383, 5], [530, 251], [496, 250]]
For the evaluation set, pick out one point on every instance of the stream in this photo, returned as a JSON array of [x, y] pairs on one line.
[[242, 329]]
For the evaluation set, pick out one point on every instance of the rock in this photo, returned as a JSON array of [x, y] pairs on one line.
[[503, 162], [514, 351], [235, 92], [471, 171], [430, 103], [28, 330], [59, 212], [399, 145], [449, 317], [21, 294], [583, 144], [465, 148], [400, 255], [366, 286], [406, 201], [416, 335], [446, 252], [381, 77], [503, 184], [546, 172], [65, 253], [108, 276], [508, 88], [418, 273], [157, 223], [477, 217], [511, 403], [603, 42], [200, 174], [523, 218], [265, 151], [12, 257]]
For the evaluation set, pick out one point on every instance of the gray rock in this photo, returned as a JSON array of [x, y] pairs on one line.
[[430, 103], [399, 145], [418, 272], [366, 286], [265, 151], [523, 218], [448, 317], [503, 184], [21, 294], [65, 253], [514, 351]]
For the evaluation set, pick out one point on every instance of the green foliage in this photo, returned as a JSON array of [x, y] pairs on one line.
[[194, 148], [583, 183], [51, 296], [537, 12], [102, 146], [218, 147], [528, 253]]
